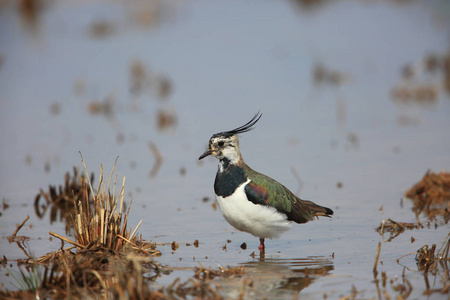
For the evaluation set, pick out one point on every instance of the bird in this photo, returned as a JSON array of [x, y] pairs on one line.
[[250, 201]]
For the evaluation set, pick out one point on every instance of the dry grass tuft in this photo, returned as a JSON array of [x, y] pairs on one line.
[[101, 219], [109, 260]]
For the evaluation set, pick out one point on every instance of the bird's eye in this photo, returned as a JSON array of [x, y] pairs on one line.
[[220, 143]]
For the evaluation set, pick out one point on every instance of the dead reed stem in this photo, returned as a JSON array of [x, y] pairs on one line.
[[20, 226], [375, 272], [87, 174], [66, 240]]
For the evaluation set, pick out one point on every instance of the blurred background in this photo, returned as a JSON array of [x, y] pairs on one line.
[[355, 97]]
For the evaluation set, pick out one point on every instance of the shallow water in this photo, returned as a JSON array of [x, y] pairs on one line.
[[226, 60]]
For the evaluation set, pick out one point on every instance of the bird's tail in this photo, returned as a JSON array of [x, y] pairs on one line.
[[321, 211], [317, 210], [304, 211]]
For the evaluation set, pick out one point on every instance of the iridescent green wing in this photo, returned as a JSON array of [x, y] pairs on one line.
[[263, 190]]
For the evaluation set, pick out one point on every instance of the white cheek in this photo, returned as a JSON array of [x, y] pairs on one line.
[[230, 153]]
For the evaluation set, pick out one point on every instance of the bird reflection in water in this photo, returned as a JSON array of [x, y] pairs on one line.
[[273, 278]]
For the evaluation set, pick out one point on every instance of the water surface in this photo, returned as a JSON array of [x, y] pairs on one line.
[[67, 85]]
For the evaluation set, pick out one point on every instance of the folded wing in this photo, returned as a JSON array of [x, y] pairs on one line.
[[263, 190]]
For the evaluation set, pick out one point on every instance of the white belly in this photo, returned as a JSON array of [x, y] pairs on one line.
[[259, 220]]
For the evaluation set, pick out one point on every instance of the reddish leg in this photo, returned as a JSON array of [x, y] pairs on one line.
[[261, 247]]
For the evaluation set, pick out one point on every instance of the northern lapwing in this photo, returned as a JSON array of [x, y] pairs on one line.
[[251, 201]]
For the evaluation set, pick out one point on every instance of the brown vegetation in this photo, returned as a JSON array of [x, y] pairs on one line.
[[431, 196]]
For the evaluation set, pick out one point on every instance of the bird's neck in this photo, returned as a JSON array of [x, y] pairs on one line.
[[228, 161], [230, 175]]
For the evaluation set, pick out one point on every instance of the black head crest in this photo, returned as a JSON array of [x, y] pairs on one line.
[[244, 128]]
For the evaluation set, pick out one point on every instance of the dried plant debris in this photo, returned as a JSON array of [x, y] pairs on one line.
[[428, 260], [105, 107], [403, 289], [62, 200], [105, 258], [14, 237], [436, 264], [423, 82], [431, 196], [101, 218], [425, 94], [324, 76], [166, 119], [88, 274], [138, 77], [143, 81], [425, 257], [174, 246], [395, 228], [102, 272]]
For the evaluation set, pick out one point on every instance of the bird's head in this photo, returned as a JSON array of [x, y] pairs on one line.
[[226, 144]]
